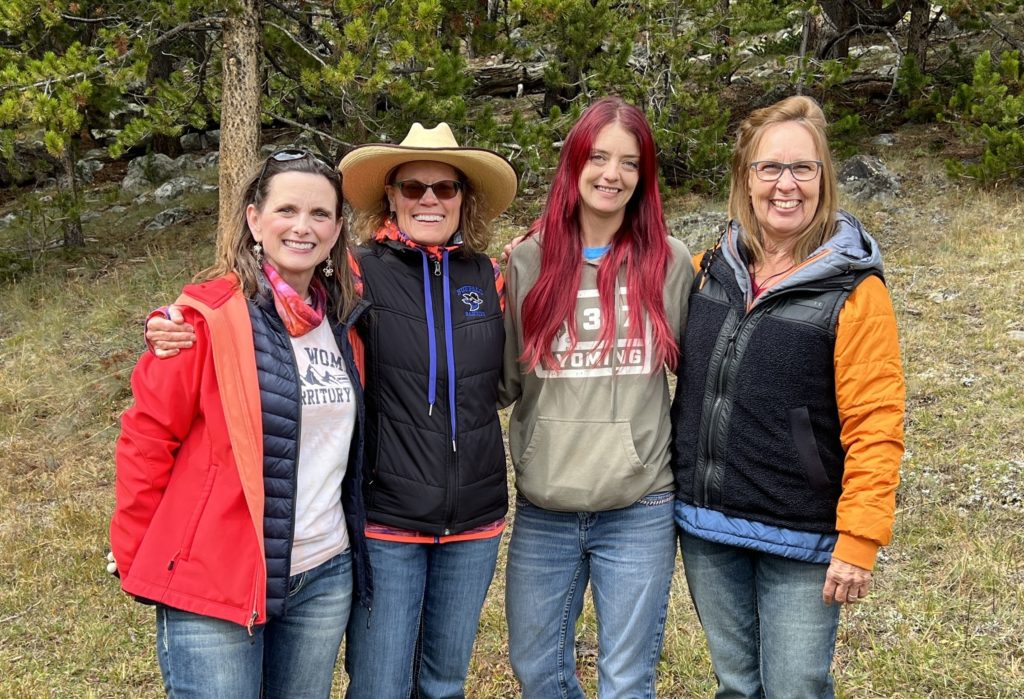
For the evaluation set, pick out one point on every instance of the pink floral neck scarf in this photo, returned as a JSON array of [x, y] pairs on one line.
[[298, 316]]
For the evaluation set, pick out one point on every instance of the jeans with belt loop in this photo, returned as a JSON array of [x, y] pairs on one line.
[[291, 656], [627, 556]]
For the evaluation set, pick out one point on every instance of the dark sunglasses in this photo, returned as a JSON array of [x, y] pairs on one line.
[[442, 189]]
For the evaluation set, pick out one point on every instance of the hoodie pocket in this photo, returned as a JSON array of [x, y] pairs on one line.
[[807, 448], [197, 512], [573, 465]]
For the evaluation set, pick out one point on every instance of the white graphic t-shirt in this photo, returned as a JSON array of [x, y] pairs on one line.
[[328, 419]]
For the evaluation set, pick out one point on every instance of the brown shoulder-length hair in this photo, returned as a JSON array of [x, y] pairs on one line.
[[476, 230], [806, 112], [236, 253]]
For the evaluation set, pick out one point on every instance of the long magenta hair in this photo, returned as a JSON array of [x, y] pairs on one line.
[[641, 244]]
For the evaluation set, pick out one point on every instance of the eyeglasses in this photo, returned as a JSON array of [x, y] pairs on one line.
[[770, 170], [442, 189]]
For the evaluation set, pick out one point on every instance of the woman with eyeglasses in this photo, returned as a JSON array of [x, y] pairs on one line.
[[239, 509], [788, 414]]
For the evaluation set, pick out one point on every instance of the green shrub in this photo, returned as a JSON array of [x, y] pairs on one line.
[[988, 113]]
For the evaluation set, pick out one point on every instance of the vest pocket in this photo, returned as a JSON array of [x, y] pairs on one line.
[[197, 513], [807, 448]]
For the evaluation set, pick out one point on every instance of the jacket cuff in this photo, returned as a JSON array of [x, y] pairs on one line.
[[158, 313], [856, 551]]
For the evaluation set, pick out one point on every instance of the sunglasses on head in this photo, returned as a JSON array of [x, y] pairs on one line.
[[285, 156], [442, 189]]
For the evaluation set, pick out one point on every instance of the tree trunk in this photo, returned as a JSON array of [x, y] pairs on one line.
[[917, 36], [240, 110], [508, 79], [68, 204], [160, 68]]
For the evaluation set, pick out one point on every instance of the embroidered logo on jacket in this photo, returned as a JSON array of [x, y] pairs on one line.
[[473, 297]]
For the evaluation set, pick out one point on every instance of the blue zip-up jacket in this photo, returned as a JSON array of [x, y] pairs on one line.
[[280, 400]]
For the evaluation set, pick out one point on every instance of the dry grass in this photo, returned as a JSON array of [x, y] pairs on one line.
[[945, 619]]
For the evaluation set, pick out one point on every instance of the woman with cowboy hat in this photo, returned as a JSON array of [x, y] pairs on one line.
[[436, 478]]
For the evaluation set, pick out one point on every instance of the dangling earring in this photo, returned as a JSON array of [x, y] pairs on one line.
[[257, 251], [329, 268]]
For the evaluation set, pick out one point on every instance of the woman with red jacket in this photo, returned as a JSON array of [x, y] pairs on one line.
[[239, 507]]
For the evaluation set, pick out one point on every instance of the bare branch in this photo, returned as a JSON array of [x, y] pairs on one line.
[[298, 43], [310, 129], [89, 20]]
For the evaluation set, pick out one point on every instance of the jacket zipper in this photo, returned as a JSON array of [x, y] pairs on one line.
[[452, 459], [712, 458]]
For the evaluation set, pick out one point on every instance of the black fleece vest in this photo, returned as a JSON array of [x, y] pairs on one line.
[[416, 479], [755, 415]]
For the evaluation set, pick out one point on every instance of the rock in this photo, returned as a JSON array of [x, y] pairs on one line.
[[697, 229], [174, 188], [208, 160], [1017, 335], [186, 161], [104, 135], [30, 163], [169, 217], [89, 216], [942, 296], [87, 169], [192, 142], [884, 140], [866, 178], [147, 171], [213, 138], [7, 220]]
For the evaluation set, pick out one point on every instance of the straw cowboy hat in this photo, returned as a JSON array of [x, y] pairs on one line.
[[365, 169]]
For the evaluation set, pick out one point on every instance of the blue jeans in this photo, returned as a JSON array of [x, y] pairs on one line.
[[290, 656], [627, 556], [769, 632], [426, 607]]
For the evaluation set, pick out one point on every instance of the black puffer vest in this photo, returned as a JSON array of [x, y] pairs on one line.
[[435, 458], [281, 410], [755, 415]]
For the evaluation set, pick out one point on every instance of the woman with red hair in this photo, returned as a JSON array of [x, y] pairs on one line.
[[596, 303]]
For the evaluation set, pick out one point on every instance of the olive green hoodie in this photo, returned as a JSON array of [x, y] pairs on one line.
[[595, 434]]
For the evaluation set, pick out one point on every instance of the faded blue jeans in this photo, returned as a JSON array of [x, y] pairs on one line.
[[291, 656], [627, 556], [426, 607], [769, 632]]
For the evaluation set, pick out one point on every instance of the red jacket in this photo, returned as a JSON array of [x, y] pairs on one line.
[[187, 529]]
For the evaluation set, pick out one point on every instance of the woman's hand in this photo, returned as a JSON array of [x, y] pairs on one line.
[[169, 335], [845, 583], [509, 247]]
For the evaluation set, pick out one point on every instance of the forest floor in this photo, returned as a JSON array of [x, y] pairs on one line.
[[945, 618]]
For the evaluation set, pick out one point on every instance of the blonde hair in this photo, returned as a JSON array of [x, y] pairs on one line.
[[475, 228], [235, 255], [806, 112]]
